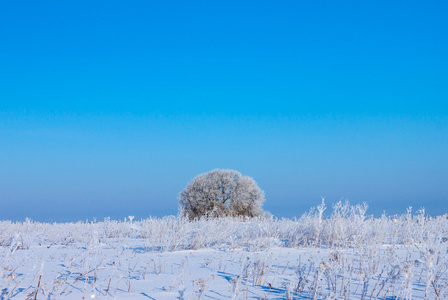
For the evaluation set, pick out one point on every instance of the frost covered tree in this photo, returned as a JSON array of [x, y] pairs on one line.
[[220, 193]]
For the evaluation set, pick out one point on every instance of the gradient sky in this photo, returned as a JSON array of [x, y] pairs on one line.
[[109, 108]]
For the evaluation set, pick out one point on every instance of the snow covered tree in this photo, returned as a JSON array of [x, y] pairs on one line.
[[220, 193]]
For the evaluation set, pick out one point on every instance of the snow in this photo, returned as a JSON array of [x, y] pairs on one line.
[[341, 256]]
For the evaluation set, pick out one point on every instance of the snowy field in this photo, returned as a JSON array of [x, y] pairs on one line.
[[342, 254]]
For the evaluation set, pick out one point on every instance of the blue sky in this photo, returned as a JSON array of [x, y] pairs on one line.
[[109, 108]]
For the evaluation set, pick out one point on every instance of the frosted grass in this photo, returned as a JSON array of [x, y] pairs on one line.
[[344, 254]]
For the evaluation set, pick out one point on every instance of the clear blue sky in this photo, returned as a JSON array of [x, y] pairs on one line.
[[109, 108]]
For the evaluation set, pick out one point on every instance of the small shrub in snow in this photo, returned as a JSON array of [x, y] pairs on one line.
[[221, 193]]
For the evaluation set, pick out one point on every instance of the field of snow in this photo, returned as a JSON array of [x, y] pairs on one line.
[[340, 255]]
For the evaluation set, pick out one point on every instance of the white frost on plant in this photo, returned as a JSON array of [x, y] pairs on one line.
[[340, 255], [221, 193]]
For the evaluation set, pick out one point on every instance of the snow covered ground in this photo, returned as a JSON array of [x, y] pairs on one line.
[[344, 255]]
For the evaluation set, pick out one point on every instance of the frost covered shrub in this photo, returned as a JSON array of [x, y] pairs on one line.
[[221, 193]]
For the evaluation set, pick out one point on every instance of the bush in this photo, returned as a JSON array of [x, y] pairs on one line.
[[221, 193]]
